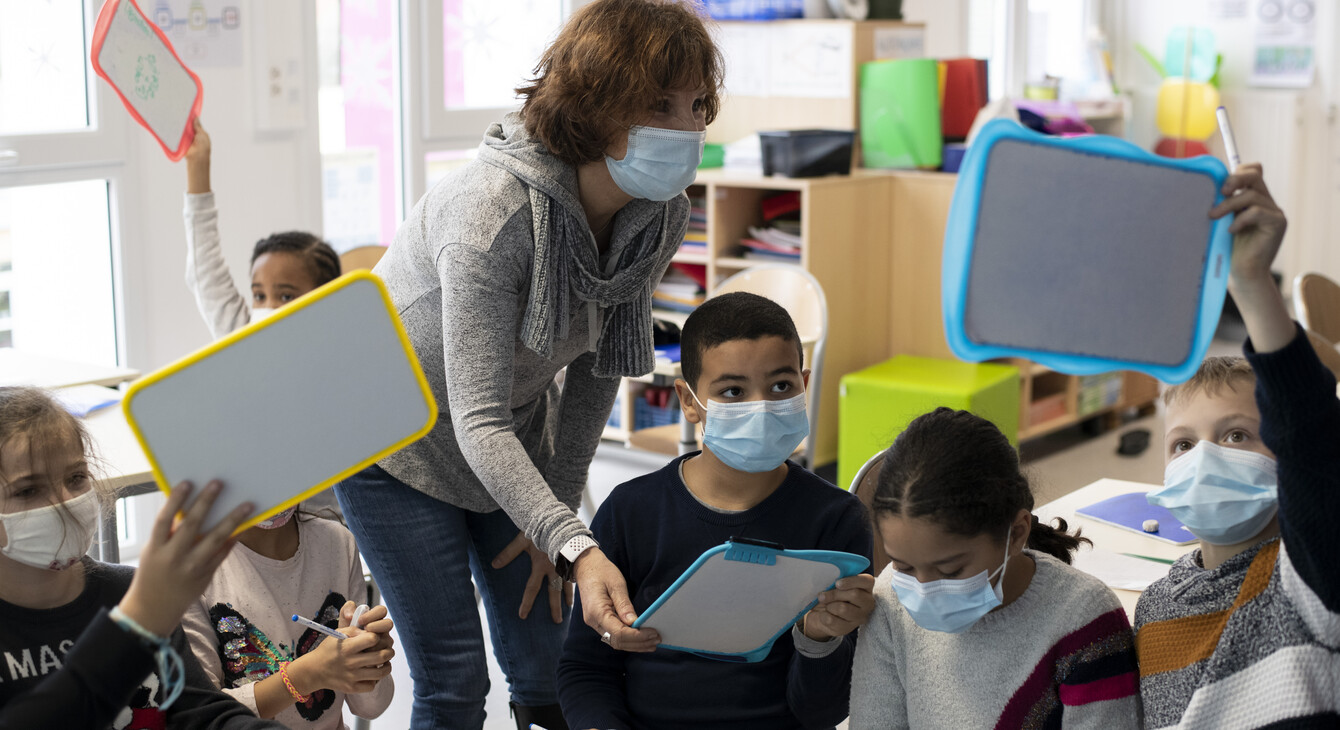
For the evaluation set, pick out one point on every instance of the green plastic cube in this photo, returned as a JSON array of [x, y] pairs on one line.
[[877, 403]]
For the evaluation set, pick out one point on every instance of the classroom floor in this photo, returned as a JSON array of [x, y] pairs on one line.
[[1056, 465]]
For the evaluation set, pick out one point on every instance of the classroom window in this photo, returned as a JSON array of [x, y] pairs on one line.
[[357, 45], [56, 271], [490, 48], [43, 86]]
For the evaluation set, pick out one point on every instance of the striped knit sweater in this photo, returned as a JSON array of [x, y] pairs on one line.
[[1256, 642], [1060, 655]]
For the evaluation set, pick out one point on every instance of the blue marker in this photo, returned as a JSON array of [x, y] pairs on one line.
[[318, 627]]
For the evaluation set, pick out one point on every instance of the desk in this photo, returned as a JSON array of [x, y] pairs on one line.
[[22, 368], [1107, 537]]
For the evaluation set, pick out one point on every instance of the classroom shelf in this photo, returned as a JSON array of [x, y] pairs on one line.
[[691, 258]]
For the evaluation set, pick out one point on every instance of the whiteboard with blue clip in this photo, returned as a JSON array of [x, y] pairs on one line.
[[738, 598], [1086, 254]]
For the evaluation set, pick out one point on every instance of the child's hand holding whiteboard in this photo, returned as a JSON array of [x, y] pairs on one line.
[[738, 598], [131, 53], [288, 406]]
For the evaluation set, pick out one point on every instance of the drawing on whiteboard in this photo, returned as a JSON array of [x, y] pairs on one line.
[[146, 76], [812, 61]]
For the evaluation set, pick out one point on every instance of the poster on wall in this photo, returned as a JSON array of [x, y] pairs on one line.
[[1285, 52], [204, 32]]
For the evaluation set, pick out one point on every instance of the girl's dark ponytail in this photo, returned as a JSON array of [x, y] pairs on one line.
[[958, 470], [1055, 540]]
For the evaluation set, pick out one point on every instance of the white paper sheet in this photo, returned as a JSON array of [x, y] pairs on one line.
[[1117, 570]]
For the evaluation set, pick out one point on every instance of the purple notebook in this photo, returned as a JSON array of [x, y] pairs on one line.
[[1129, 512]]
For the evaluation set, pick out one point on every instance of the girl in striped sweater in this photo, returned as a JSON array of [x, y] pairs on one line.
[[979, 619]]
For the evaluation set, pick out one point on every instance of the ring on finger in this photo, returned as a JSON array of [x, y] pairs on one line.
[[606, 638], [555, 584]]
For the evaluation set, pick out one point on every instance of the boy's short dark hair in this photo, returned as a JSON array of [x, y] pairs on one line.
[[323, 260], [733, 316]]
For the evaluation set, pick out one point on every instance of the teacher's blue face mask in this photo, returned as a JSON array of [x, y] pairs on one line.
[[659, 163]]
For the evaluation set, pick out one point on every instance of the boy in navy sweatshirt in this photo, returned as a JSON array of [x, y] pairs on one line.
[[1244, 632], [743, 377]]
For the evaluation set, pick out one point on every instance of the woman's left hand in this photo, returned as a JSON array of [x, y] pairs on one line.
[[542, 574]]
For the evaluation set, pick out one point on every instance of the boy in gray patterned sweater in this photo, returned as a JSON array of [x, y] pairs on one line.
[[1245, 631]]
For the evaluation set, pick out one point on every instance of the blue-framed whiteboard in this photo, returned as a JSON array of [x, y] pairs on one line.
[[1086, 254], [738, 598]]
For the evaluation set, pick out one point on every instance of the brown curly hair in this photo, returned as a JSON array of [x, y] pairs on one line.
[[608, 69]]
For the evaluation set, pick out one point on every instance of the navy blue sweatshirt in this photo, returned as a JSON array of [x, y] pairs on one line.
[[653, 529]]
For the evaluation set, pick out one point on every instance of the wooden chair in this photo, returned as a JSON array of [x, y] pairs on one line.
[[1316, 301], [362, 257], [863, 486]]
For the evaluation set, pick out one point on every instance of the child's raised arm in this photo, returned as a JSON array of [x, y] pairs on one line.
[[1258, 230], [197, 162]]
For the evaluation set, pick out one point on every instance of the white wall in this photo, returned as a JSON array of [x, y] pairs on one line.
[[1303, 175], [946, 25], [263, 182]]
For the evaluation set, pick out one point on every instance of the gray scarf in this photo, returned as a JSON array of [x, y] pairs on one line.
[[566, 264]]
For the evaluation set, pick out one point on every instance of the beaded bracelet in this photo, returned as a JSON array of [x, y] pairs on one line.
[[170, 668], [283, 674]]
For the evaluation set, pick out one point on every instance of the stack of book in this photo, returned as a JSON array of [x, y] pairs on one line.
[[779, 239], [695, 239], [678, 291]]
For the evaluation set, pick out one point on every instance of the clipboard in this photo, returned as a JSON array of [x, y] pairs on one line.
[[1086, 255], [738, 598], [335, 368], [131, 53], [1129, 512]]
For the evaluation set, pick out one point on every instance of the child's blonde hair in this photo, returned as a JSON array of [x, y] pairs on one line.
[[34, 414], [1215, 374]]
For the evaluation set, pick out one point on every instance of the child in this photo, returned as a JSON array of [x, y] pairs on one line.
[[90, 645], [284, 266], [1245, 631], [242, 633], [742, 374], [979, 619]]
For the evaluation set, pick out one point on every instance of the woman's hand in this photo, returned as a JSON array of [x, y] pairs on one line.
[[841, 610], [606, 606], [542, 573], [178, 561], [197, 162]]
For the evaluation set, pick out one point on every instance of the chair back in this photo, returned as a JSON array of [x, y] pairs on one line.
[[863, 486], [362, 257], [1316, 301], [800, 294]]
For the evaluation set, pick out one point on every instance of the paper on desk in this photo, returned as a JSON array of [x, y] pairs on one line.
[[1119, 571], [81, 400]]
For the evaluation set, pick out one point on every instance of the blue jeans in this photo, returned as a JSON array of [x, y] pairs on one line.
[[423, 553]]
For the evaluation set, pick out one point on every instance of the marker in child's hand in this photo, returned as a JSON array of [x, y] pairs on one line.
[[1230, 144], [314, 626], [358, 613]]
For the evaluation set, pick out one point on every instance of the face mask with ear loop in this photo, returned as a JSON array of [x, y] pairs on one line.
[[659, 163], [754, 436], [951, 605], [54, 537]]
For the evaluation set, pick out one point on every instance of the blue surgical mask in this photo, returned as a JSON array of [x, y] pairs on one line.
[[953, 604], [659, 163], [754, 436], [1224, 496]]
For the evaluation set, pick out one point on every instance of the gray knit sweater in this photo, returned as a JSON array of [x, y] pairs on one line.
[[460, 272]]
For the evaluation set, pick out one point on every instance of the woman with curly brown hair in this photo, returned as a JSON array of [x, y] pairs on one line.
[[539, 255]]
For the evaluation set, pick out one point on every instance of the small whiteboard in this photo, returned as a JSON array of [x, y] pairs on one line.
[[738, 598], [133, 55], [1085, 255], [288, 406]]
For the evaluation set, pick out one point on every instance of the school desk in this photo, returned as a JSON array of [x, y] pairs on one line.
[[1106, 537], [24, 368]]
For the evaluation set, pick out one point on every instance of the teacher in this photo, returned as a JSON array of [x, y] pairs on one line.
[[540, 254]]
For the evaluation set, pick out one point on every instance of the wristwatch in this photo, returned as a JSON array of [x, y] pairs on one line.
[[568, 554]]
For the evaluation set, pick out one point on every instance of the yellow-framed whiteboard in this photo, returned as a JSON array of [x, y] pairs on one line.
[[286, 407]]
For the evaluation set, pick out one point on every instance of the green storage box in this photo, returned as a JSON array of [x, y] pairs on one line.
[[877, 403]]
